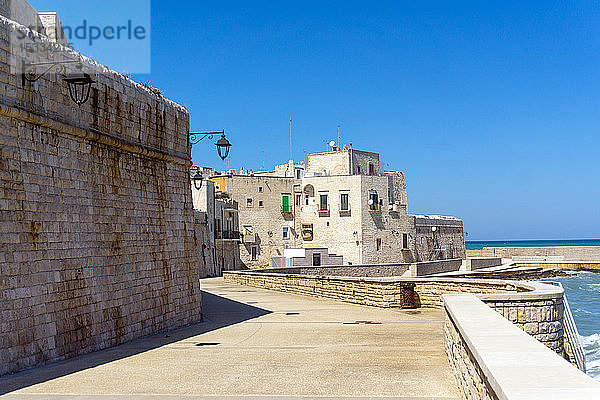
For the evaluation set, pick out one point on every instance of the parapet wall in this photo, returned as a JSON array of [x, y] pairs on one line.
[[492, 359], [558, 253], [373, 270], [97, 241]]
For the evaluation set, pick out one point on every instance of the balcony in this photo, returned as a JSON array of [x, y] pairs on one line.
[[345, 212], [227, 235], [323, 210], [249, 238]]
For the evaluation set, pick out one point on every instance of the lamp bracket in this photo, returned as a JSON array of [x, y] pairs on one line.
[[197, 137], [29, 70]]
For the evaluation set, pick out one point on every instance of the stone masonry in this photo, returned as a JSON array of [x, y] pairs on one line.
[[97, 243], [341, 200]]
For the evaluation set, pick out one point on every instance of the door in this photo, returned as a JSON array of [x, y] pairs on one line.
[[317, 259]]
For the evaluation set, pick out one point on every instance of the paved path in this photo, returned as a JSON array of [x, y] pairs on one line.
[[260, 343]]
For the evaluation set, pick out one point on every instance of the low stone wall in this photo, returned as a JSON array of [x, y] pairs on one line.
[[493, 359], [476, 263], [435, 267], [371, 270], [472, 381], [558, 253]]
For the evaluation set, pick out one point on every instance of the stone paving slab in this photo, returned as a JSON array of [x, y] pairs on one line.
[[264, 344]]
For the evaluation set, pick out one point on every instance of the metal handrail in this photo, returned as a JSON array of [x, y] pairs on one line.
[[571, 330]]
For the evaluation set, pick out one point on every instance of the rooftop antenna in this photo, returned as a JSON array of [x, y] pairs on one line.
[[290, 137], [262, 163], [338, 136]]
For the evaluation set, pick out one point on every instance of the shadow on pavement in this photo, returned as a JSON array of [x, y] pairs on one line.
[[218, 312]]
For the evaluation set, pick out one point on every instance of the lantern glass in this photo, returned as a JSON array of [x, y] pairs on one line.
[[79, 84], [223, 147], [197, 181]]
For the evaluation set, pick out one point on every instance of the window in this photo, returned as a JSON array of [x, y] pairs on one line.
[[344, 205], [371, 169], [373, 200], [405, 241], [254, 253], [298, 199], [316, 259], [285, 203], [260, 189], [286, 232], [378, 244], [298, 173], [248, 202], [260, 203], [323, 203], [358, 170]]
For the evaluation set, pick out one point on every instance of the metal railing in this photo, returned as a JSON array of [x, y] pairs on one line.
[[571, 331]]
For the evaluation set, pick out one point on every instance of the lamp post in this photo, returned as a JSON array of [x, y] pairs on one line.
[[223, 145]]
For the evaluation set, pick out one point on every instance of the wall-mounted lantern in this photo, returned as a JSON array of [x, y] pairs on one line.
[[197, 179], [79, 82], [223, 145]]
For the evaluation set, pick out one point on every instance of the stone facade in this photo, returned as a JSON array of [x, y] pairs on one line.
[[219, 248], [97, 239], [341, 201]]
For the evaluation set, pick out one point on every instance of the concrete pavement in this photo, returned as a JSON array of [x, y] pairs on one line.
[[261, 343]]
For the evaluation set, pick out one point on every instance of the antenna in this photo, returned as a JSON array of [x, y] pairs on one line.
[[291, 137], [338, 135]]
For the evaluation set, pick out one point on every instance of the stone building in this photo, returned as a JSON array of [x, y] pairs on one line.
[[218, 228], [97, 243], [341, 200]]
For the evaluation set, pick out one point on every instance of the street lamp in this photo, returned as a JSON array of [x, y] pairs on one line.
[[223, 145], [79, 82], [197, 179], [79, 85]]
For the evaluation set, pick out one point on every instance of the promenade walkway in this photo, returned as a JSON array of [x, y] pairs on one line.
[[261, 343]]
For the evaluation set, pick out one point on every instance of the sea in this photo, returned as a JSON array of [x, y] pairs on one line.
[[583, 294]]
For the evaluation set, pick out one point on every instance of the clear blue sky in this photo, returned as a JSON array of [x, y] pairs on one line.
[[491, 108]]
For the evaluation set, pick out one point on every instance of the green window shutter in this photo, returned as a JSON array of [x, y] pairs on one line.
[[286, 203]]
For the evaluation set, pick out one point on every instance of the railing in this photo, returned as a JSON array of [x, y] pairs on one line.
[[227, 235], [571, 331]]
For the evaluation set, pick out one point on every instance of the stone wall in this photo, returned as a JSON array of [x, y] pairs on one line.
[[438, 237], [97, 239], [494, 359], [472, 380], [558, 253], [380, 270]]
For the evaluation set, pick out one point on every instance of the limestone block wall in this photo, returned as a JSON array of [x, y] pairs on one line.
[[558, 253], [438, 237], [493, 359], [472, 380], [96, 221]]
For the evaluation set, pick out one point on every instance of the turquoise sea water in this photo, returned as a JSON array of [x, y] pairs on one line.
[[583, 294], [480, 244]]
